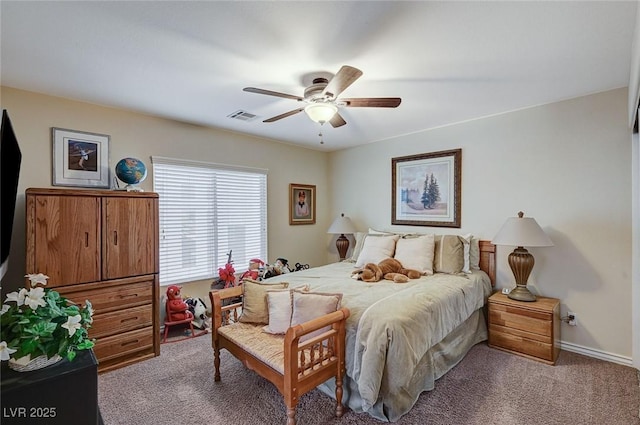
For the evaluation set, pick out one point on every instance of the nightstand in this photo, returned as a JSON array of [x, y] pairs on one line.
[[529, 329]]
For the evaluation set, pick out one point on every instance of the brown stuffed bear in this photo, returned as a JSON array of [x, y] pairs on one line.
[[389, 269]]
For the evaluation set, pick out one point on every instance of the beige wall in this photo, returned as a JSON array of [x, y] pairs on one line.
[[141, 136], [565, 164]]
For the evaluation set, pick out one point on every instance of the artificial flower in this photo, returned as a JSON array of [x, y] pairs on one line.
[[73, 324], [37, 278], [5, 308], [17, 297], [35, 298], [5, 352]]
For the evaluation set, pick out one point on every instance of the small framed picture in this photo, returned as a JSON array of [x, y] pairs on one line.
[[426, 189], [302, 204], [80, 159]]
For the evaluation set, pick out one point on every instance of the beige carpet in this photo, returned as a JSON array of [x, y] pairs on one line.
[[487, 387]]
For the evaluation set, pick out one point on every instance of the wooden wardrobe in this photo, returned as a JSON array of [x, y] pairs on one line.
[[101, 246]]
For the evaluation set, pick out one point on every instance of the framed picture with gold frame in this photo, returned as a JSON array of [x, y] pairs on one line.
[[302, 203], [426, 189]]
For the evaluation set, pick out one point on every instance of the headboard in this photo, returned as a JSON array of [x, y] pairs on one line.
[[488, 260]]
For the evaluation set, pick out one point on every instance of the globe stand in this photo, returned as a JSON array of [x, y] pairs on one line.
[[132, 188]]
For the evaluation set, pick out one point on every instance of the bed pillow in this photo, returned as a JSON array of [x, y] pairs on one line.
[[449, 254], [310, 305], [416, 253], [254, 301], [376, 249], [474, 254], [466, 243], [359, 237]]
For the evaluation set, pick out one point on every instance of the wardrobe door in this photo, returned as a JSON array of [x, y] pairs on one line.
[[63, 238], [128, 237]]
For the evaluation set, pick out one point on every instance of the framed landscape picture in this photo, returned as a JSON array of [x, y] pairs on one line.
[[302, 204], [80, 159], [426, 189]]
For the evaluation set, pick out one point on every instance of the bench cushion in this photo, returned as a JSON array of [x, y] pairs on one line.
[[267, 348]]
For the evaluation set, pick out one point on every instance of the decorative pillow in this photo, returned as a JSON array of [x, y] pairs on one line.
[[254, 301], [279, 303], [416, 253], [376, 249], [310, 305], [360, 237], [379, 232], [449, 254], [474, 254]]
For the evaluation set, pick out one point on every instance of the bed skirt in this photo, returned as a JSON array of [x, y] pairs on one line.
[[441, 358]]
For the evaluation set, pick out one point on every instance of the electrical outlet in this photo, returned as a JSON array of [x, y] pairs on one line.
[[573, 320]]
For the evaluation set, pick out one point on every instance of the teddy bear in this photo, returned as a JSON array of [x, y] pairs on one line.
[[177, 309], [389, 269]]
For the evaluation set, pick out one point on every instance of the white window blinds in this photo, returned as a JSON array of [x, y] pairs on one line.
[[206, 211]]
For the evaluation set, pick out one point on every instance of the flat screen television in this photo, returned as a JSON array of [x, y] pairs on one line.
[[10, 159]]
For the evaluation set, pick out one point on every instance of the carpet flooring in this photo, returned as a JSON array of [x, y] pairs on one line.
[[488, 387]]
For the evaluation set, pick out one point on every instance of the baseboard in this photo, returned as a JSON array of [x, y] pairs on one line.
[[596, 354]]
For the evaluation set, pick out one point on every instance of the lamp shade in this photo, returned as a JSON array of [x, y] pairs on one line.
[[521, 231], [321, 112], [341, 226]]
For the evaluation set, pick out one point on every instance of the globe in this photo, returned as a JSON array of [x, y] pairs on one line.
[[131, 171]]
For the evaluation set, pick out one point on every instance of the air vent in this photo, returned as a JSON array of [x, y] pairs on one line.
[[242, 115]]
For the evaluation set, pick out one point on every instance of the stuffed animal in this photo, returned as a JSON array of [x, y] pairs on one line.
[[255, 266], [199, 310], [389, 269], [177, 309]]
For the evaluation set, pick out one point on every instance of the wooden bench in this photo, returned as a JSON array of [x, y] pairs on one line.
[[294, 367]]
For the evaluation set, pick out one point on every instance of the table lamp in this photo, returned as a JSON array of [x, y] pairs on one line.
[[340, 226], [520, 232]]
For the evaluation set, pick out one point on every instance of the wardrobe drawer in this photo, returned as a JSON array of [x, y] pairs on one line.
[[121, 321], [123, 344], [120, 297]]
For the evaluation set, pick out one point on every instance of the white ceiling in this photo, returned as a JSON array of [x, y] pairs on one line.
[[189, 61]]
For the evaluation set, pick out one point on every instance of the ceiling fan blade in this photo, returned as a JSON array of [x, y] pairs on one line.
[[272, 93], [285, 115], [343, 79], [337, 121], [372, 102]]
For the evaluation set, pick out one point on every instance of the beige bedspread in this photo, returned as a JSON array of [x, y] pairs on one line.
[[392, 327]]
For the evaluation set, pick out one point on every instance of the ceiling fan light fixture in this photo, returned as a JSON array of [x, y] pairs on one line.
[[321, 112]]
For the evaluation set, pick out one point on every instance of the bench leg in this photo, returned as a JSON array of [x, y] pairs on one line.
[[291, 415], [216, 362], [339, 409]]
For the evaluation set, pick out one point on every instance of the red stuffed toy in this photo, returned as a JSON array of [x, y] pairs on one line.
[[177, 309]]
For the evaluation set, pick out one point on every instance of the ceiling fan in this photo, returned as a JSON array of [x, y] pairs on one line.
[[322, 99]]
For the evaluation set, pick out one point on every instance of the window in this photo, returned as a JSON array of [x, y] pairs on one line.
[[207, 211]]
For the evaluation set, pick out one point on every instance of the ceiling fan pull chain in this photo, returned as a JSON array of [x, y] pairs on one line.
[[320, 134]]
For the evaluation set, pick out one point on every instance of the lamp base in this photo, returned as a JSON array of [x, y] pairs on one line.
[[521, 293], [342, 244]]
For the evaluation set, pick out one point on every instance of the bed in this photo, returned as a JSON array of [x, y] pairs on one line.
[[400, 338]]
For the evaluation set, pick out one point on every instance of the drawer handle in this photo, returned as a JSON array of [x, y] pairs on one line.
[[115, 238], [127, 296], [130, 342], [129, 319], [86, 239]]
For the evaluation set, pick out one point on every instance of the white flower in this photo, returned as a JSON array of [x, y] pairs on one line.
[[35, 298], [73, 324], [5, 308], [37, 278], [17, 297], [89, 308], [5, 352]]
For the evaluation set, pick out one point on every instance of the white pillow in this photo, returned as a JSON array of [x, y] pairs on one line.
[[466, 240], [376, 249], [279, 303], [360, 237], [416, 253]]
